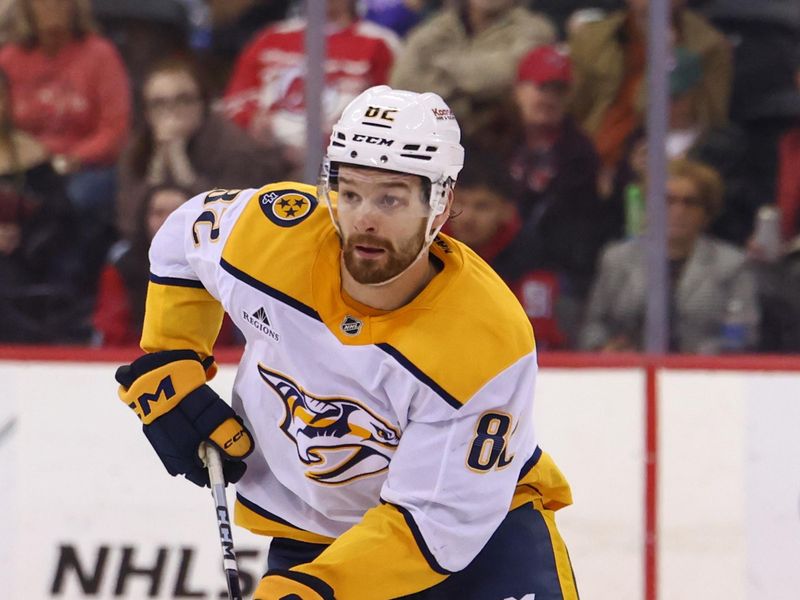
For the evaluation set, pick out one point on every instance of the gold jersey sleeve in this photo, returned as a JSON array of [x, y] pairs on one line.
[[179, 317], [382, 557]]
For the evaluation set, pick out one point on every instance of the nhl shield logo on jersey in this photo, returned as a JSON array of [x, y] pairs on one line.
[[339, 439], [351, 325], [287, 207]]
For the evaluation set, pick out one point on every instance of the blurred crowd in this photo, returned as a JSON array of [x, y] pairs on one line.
[[114, 112]]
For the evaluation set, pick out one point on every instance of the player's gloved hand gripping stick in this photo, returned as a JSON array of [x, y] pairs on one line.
[[189, 426], [168, 392]]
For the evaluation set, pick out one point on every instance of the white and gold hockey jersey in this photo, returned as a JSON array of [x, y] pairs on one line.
[[401, 438]]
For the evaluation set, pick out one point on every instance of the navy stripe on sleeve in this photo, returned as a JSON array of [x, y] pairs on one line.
[[530, 463], [177, 281], [421, 544], [265, 513]]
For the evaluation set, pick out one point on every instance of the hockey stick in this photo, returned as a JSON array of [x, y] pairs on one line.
[[210, 456]]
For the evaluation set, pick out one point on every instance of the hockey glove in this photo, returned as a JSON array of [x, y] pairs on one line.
[[168, 392], [292, 585]]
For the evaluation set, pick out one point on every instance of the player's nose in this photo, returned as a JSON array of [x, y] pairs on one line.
[[367, 217]]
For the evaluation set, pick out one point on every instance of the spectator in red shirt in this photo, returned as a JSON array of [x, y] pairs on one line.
[[266, 92], [70, 92], [486, 219]]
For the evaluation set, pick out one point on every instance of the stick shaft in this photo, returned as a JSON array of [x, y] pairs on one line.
[[217, 480]]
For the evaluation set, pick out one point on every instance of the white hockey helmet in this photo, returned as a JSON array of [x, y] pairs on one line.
[[400, 131]]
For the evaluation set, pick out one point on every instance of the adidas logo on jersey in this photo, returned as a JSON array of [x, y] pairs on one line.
[[260, 321]]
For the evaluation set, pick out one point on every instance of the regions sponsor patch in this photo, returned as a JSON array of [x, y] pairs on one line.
[[287, 207], [260, 320]]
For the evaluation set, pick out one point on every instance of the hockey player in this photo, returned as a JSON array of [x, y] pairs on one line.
[[382, 427]]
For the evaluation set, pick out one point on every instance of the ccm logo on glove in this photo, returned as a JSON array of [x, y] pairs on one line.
[[143, 407], [233, 438], [158, 391], [168, 392]]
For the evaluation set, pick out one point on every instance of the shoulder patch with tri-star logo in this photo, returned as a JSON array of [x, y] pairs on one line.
[[287, 208]]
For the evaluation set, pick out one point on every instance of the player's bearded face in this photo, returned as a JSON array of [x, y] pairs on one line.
[[390, 258], [382, 217]]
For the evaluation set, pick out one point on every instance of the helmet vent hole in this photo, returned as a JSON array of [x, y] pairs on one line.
[[353, 154], [411, 147], [431, 149]]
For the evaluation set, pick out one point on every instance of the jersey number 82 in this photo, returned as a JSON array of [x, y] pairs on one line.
[[488, 448]]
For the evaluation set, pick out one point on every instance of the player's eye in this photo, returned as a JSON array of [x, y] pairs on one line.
[[349, 197], [389, 201]]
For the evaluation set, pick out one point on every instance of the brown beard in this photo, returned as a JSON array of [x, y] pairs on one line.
[[394, 261]]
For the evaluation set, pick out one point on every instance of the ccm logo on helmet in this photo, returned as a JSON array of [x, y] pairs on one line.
[[371, 139]]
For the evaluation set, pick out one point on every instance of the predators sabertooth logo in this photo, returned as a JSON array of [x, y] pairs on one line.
[[338, 438]]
